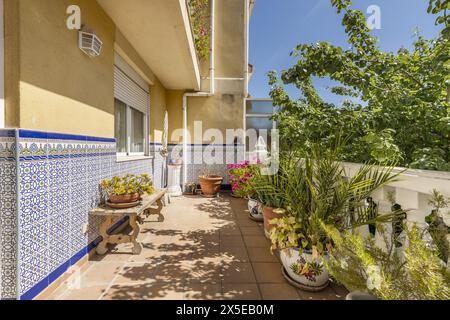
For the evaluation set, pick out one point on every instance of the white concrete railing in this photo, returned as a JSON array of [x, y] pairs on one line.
[[412, 191]]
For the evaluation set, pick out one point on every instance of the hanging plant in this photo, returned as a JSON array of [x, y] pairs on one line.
[[201, 27]]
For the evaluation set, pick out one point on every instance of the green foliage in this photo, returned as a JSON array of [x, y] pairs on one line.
[[438, 201], [128, 184], [441, 8], [317, 189], [267, 187], [360, 265], [200, 21], [382, 146], [396, 105]]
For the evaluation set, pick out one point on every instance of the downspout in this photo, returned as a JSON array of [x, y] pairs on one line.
[[212, 90], [246, 62], [246, 38]]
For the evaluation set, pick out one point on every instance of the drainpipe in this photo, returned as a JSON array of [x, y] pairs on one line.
[[212, 90], [246, 38]]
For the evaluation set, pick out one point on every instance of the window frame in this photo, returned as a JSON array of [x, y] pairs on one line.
[[128, 130], [257, 115]]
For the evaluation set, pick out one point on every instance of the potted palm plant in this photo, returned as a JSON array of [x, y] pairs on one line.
[[267, 191], [126, 191], [316, 190]]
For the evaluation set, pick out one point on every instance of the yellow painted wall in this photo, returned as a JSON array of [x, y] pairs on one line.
[[174, 101], [12, 35], [230, 44], [52, 85], [61, 88], [220, 112]]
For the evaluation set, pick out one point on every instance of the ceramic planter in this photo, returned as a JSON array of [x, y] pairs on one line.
[[125, 198], [316, 279], [269, 215], [255, 210], [210, 185]]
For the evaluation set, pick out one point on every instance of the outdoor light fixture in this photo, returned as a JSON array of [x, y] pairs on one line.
[[90, 43]]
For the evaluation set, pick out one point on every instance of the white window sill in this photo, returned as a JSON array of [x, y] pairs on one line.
[[133, 158]]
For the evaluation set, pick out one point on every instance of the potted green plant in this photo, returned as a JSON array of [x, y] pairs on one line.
[[267, 191], [127, 189], [317, 189], [385, 273], [210, 184]]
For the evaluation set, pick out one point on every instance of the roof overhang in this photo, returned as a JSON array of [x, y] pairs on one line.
[[160, 32]]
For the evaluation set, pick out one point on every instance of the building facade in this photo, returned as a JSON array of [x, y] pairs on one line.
[[70, 118]]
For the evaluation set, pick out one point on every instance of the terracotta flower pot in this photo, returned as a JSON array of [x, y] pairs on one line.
[[125, 198], [269, 215], [210, 185]]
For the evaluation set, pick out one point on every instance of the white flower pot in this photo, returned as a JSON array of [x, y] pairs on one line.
[[255, 209], [313, 281]]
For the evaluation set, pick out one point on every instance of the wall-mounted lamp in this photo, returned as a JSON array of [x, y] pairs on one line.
[[90, 43]]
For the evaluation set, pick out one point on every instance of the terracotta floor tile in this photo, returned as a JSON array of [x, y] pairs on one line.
[[257, 242], [238, 273], [261, 255], [136, 273], [230, 230], [268, 272], [149, 291], [204, 271], [203, 292], [241, 292], [86, 293], [234, 254], [231, 241], [252, 231], [100, 273], [245, 222], [271, 291], [327, 294]]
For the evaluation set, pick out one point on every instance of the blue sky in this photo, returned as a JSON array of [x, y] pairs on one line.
[[277, 26]]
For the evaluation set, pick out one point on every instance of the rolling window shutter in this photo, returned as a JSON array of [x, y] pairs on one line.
[[127, 90]]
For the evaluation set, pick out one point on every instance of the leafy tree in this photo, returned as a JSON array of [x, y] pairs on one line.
[[396, 100]]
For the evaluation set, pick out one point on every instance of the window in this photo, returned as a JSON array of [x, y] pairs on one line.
[[132, 106], [130, 130], [257, 116]]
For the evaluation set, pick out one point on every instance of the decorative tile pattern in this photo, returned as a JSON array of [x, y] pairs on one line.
[[8, 217], [203, 159], [59, 178]]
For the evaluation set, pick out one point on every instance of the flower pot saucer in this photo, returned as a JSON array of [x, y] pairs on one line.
[[300, 286], [209, 196], [122, 205]]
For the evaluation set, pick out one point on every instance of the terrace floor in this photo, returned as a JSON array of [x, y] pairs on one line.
[[204, 249]]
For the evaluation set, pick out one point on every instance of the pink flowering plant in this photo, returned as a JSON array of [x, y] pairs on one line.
[[199, 11], [241, 175]]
